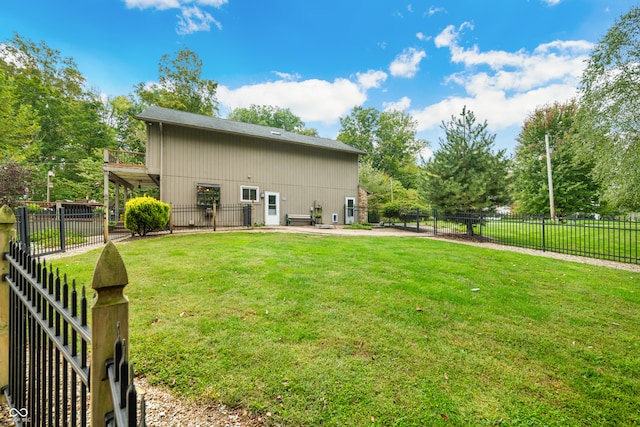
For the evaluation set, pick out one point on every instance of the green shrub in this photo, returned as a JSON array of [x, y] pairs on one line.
[[34, 209], [145, 214], [399, 210]]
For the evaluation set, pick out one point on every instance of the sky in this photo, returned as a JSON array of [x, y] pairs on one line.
[[501, 59]]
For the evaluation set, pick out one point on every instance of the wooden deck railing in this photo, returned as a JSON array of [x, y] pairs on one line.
[[124, 158]]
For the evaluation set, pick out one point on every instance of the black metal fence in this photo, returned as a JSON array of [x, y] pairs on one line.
[[48, 339], [616, 239], [58, 229], [49, 378], [223, 216]]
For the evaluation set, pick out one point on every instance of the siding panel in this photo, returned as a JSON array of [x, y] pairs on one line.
[[301, 174]]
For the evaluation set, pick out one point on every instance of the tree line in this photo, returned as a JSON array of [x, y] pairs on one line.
[[51, 122]]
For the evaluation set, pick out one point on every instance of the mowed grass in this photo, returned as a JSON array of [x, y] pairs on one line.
[[310, 330]]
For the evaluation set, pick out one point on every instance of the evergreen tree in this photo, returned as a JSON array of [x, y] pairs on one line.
[[464, 175]]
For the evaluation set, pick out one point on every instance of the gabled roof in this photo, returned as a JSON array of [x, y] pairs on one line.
[[199, 121]]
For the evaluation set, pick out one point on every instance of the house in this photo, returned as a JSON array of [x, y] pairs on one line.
[[201, 161]]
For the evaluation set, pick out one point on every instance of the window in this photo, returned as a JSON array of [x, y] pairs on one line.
[[206, 194], [248, 194]]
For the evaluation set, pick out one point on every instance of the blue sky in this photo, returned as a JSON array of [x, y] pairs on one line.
[[500, 58]]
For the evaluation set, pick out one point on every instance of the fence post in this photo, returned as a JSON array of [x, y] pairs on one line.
[[61, 228], [109, 306], [544, 248], [25, 238], [170, 217], [435, 222], [7, 232]]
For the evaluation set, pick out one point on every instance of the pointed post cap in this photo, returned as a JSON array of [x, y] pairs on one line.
[[6, 215], [110, 271]]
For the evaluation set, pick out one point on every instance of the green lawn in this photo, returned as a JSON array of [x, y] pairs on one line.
[[333, 330]]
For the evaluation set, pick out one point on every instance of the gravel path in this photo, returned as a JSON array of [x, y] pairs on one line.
[[165, 410]]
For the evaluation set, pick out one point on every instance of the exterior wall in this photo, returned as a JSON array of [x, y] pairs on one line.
[[303, 176], [153, 149]]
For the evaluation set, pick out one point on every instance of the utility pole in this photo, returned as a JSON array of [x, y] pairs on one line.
[[552, 207]]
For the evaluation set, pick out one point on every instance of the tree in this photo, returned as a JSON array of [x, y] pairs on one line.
[[573, 187], [389, 138], [464, 175], [386, 191], [181, 86], [14, 183], [267, 115], [18, 123], [359, 128], [69, 117], [610, 100], [129, 132]]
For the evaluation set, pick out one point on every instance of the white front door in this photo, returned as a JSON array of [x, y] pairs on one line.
[[271, 208], [349, 210]]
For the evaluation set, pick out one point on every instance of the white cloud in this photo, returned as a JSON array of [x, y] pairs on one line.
[[422, 37], [192, 17], [400, 105], [287, 76], [406, 64], [504, 87], [551, 2], [449, 36], [312, 100], [433, 10], [371, 79], [154, 4]]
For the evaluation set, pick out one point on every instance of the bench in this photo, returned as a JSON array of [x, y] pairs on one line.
[[298, 217]]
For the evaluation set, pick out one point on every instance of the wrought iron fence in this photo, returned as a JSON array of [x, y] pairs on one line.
[[48, 341], [222, 216], [49, 379], [616, 239], [57, 229]]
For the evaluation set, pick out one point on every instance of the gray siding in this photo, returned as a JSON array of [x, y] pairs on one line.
[[301, 174]]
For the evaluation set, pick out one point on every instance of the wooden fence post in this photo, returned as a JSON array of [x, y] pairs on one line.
[[109, 306], [7, 232]]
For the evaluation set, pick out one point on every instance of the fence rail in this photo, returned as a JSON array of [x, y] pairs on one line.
[[194, 216], [53, 366], [48, 343], [603, 238]]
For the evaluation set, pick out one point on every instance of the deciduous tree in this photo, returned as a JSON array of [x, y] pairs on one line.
[[18, 122], [610, 101], [69, 117], [268, 115], [181, 86], [388, 137], [573, 187]]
